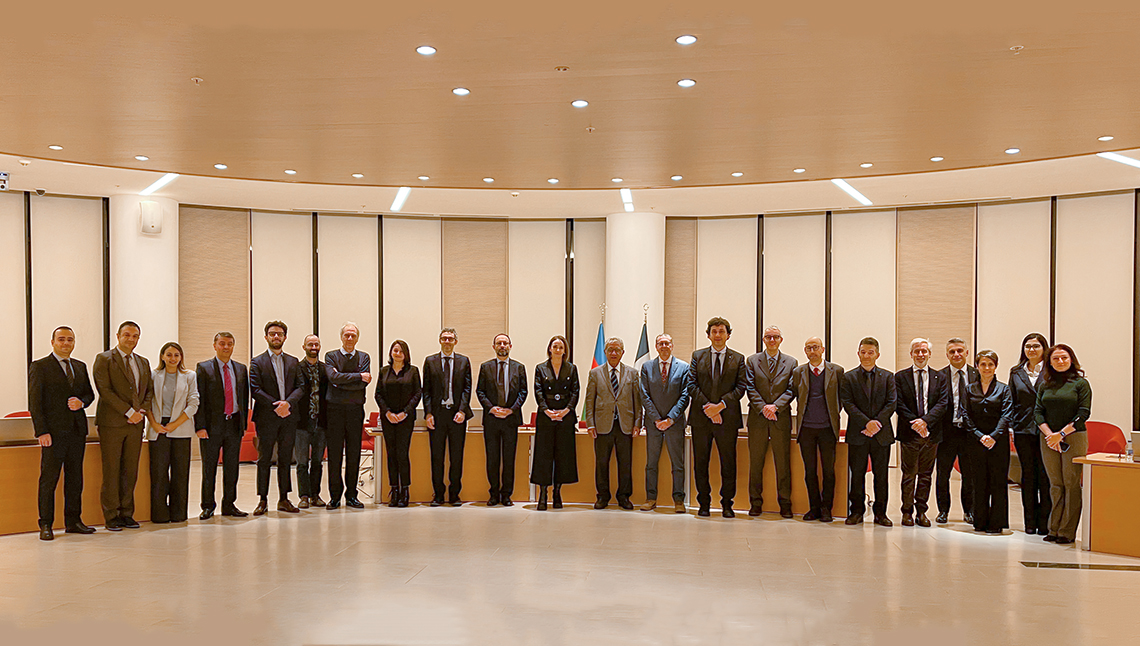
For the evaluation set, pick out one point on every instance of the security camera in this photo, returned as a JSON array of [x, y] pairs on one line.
[[41, 192]]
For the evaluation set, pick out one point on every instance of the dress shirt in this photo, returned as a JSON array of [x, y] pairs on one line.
[[66, 365], [1033, 375], [816, 370], [278, 361], [129, 359], [228, 367], [954, 373]]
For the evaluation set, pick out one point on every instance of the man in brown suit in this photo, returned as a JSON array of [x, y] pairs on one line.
[[816, 385], [125, 391]]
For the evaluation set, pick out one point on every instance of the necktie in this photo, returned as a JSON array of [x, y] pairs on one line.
[[771, 363], [614, 380], [921, 393], [503, 383], [664, 372], [134, 369], [228, 391], [447, 376], [961, 409], [70, 374], [717, 368], [867, 375]]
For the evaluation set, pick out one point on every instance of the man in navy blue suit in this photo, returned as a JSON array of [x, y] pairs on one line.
[[665, 396]]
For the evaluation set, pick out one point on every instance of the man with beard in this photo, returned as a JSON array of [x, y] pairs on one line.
[[502, 392], [275, 383], [309, 447]]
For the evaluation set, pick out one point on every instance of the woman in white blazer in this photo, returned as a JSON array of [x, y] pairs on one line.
[[171, 428]]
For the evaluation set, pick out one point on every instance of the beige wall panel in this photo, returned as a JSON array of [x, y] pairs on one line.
[[213, 280], [537, 304], [348, 271], [795, 277], [475, 284], [282, 276], [412, 285], [726, 279], [862, 284], [1013, 277], [935, 279], [589, 292], [680, 286], [13, 308], [67, 273], [1095, 298]]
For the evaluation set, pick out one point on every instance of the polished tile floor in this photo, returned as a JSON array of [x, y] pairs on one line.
[[573, 577]]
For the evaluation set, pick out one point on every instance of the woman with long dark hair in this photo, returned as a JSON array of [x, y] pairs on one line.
[[398, 392], [171, 427], [989, 406], [1064, 403], [1024, 378], [556, 388]]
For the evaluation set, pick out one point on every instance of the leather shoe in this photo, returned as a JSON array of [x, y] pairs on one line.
[[679, 507], [206, 514], [755, 510], [825, 516], [968, 519], [601, 505], [128, 522], [922, 520], [455, 502], [1050, 539], [46, 533], [492, 501], [1030, 531], [703, 512], [506, 502], [1061, 540], [261, 508], [811, 515], [332, 504], [235, 512], [354, 503], [114, 525], [854, 519], [883, 521], [649, 505], [908, 520], [316, 501], [79, 528], [304, 504], [286, 506], [556, 497], [436, 502], [785, 512], [994, 532], [941, 518], [624, 503], [727, 512]]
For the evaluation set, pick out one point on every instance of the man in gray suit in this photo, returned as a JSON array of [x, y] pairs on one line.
[[613, 399], [769, 389], [816, 385], [664, 397]]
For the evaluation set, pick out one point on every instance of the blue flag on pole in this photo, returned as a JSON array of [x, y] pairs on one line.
[[600, 347]]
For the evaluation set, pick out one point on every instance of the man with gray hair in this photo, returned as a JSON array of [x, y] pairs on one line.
[[447, 407], [349, 371], [613, 416], [768, 376], [921, 405]]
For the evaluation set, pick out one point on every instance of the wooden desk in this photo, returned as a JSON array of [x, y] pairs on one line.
[[1110, 515]]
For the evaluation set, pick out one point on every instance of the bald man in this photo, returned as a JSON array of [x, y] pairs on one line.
[[768, 376], [816, 386]]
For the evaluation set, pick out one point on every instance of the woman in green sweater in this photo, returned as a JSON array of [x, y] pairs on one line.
[[1064, 402]]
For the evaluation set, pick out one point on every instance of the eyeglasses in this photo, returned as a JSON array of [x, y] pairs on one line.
[[809, 348], [771, 337]]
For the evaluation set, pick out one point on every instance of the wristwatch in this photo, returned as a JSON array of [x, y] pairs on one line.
[[1062, 435]]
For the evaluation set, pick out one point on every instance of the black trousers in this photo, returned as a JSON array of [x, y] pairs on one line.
[[447, 440], [605, 445], [500, 439], [555, 453], [226, 442], [704, 436], [169, 478], [918, 458], [65, 454], [991, 491], [821, 442], [857, 455], [953, 446], [280, 434], [1035, 500], [397, 449], [309, 451], [345, 433]]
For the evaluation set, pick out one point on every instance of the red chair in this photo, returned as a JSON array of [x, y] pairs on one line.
[[248, 451], [20, 413], [367, 456], [1106, 438]]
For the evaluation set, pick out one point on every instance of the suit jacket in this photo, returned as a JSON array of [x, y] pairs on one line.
[[832, 376], [948, 418], [322, 397], [116, 385], [48, 392], [730, 388], [861, 409], [487, 391], [601, 400], [556, 392], [937, 395], [264, 389], [211, 413], [185, 401], [766, 386], [435, 390], [989, 413], [665, 401], [1024, 400]]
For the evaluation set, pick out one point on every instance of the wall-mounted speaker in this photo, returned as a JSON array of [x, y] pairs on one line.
[[150, 218]]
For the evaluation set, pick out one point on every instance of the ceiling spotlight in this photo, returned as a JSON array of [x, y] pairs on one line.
[[686, 39], [1012, 151], [488, 179], [424, 178], [799, 170], [425, 50], [866, 165], [290, 171], [686, 82], [738, 174], [552, 180], [676, 178], [850, 190], [358, 175], [55, 147], [461, 91], [616, 180], [580, 103], [142, 158], [220, 166], [936, 159], [25, 162], [1105, 138]]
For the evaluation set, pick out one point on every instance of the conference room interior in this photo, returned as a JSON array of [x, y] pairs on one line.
[[989, 250]]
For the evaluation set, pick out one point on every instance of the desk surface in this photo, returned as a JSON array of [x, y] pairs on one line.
[[1108, 460]]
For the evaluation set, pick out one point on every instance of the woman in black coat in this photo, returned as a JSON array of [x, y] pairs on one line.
[[398, 392], [556, 388], [1024, 378], [989, 406]]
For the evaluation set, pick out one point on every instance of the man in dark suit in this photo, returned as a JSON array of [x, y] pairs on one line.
[[125, 388], [220, 423], [816, 385], [58, 391], [311, 422], [869, 397], [275, 384], [769, 378], [665, 395], [719, 381], [501, 390], [447, 407], [955, 436], [921, 405], [349, 371]]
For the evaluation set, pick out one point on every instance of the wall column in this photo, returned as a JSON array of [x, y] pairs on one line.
[[144, 273], [635, 276]]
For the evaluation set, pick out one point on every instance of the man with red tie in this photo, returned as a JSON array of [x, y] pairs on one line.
[[223, 386]]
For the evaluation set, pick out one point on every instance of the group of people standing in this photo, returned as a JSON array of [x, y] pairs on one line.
[[960, 414]]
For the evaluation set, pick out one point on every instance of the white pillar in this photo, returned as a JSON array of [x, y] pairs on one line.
[[635, 276], [144, 272]]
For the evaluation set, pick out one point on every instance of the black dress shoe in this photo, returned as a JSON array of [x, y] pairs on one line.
[[261, 508], [206, 514], [625, 504], [854, 519], [394, 497], [785, 512], [993, 531], [908, 520], [436, 502], [883, 521], [79, 528], [541, 499], [811, 515], [825, 516], [941, 518], [727, 512], [507, 502], [455, 502], [1061, 540], [556, 499], [601, 504], [114, 525], [128, 522], [703, 512], [492, 501], [45, 533], [1030, 531], [404, 497], [354, 503], [968, 519], [333, 504], [235, 512], [922, 521], [1049, 538], [755, 510]]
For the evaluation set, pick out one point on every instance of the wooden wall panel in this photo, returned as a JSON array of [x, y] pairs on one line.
[[13, 308], [475, 284], [680, 286], [213, 280]]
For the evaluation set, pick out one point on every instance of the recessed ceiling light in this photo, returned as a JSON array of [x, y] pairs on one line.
[[290, 171], [424, 178], [358, 175], [461, 91], [686, 82], [738, 174], [1012, 151], [1105, 138], [799, 170], [425, 50], [142, 158], [220, 166], [616, 180], [866, 165], [686, 39], [676, 178], [488, 179], [580, 103], [936, 159], [552, 180], [55, 147]]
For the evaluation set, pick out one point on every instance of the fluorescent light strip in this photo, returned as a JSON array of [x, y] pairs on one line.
[[1120, 159], [627, 199], [401, 197], [850, 190], [162, 181]]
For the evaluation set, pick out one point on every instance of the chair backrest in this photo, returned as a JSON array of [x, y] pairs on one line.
[[533, 419], [19, 413], [1105, 438], [373, 419]]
